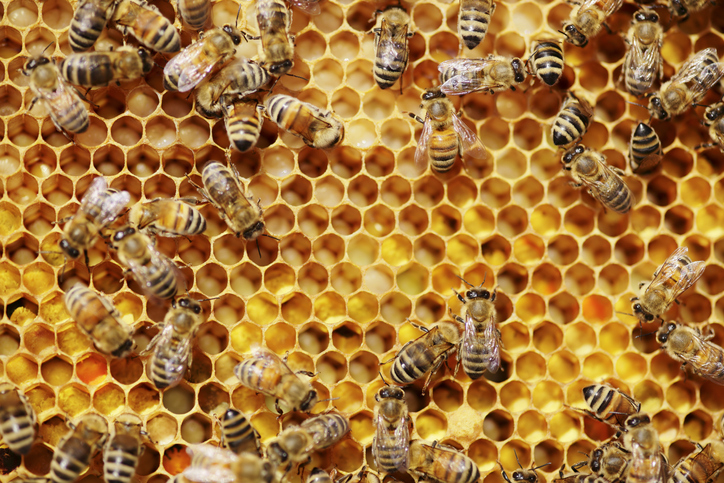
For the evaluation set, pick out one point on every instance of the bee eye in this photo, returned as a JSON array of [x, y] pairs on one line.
[[197, 309], [649, 317], [486, 294], [471, 294]]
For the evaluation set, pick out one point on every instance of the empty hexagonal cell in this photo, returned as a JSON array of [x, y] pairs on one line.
[[530, 308], [448, 395]]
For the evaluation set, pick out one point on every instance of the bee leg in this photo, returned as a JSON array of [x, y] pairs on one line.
[[87, 261], [416, 117], [419, 327], [618, 171], [578, 465], [705, 146], [605, 25], [460, 297], [62, 220], [502, 472], [278, 409]]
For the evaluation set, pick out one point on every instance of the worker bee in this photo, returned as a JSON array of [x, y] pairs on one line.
[[714, 120], [546, 61], [671, 279], [237, 433], [238, 79], [644, 151], [17, 419], [441, 464], [210, 464], [588, 168], [444, 135], [690, 347], [75, 450], [391, 442], [97, 69], [274, 22], [579, 478], [609, 461], [153, 270], [145, 22], [172, 345], [425, 354], [587, 21], [266, 373], [60, 100], [89, 20], [167, 217], [700, 467], [123, 449], [572, 121], [494, 74], [317, 128], [195, 12], [682, 8], [243, 120], [688, 86], [529, 475], [99, 320], [641, 439], [186, 70], [643, 62], [473, 21], [391, 50]]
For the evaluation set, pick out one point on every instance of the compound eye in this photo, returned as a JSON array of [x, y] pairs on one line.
[[471, 294], [485, 294], [197, 309], [579, 149], [649, 317], [637, 308]]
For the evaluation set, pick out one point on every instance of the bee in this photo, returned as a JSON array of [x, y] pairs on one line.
[[153, 270], [364, 476], [609, 461], [99, 320], [425, 354], [237, 433], [238, 79], [266, 373], [391, 442], [75, 450], [145, 23], [210, 464], [588, 168], [441, 464], [714, 120], [317, 128], [97, 69], [587, 21], [643, 63], [671, 279], [17, 419], [473, 21], [318, 475], [67, 112], [243, 120], [277, 46], [167, 217], [172, 345], [648, 464], [578, 478], [391, 49], [494, 74], [89, 20], [682, 8], [644, 152], [688, 86], [195, 12], [444, 135], [529, 475], [480, 346], [186, 70], [123, 449], [546, 61], [572, 121], [690, 347], [99, 207], [700, 467]]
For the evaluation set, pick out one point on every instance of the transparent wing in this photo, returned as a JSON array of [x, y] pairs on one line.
[[608, 6], [699, 74], [191, 65], [689, 275], [210, 464], [470, 337], [272, 358], [466, 81], [310, 6], [491, 343], [471, 143], [644, 63], [422, 159], [95, 191], [112, 206], [711, 368]]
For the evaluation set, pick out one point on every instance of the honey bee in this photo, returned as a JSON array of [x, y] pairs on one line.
[[317, 128], [391, 50], [123, 449], [145, 23], [195, 12], [587, 21], [610, 405], [274, 22], [363, 476], [210, 464], [480, 346], [441, 464], [266, 373], [237, 433], [644, 152], [546, 61], [688, 86], [97, 69], [75, 450], [494, 74], [425, 354], [99, 207], [529, 475], [688, 346], [473, 21], [609, 461], [671, 279], [153, 270], [167, 217], [172, 345], [714, 120], [99, 320], [17, 419], [318, 475], [643, 62], [572, 121], [588, 168], [89, 20], [648, 464], [682, 8], [67, 112], [700, 467], [391, 442], [444, 135], [243, 120], [186, 70], [238, 79]]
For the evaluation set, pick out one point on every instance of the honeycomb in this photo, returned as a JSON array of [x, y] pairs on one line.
[[366, 242]]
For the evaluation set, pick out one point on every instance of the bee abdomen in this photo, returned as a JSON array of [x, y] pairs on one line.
[[548, 62], [473, 21], [326, 429], [195, 13], [65, 467], [119, 465], [91, 69], [18, 431], [442, 151], [570, 125], [620, 199], [410, 364], [251, 372], [86, 26], [164, 284], [75, 119], [391, 458], [243, 132]]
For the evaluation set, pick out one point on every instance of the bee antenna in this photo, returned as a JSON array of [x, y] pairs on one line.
[[584, 454], [206, 300], [258, 248], [625, 313], [238, 12], [328, 399], [516, 458], [297, 76], [48, 46], [636, 104], [641, 335], [269, 236], [461, 278], [541, 466], [383, 379]]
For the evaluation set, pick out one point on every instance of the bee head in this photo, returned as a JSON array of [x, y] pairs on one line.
[[189, 304], [713, 113], [477, 294], [595, 463], [69, 250], [642, 314], [254, 231], [146, 60], [279, 68], [519, 70], [277, 451], [657, 109], [390, 392], [637, 419], [678, 8], [433, 93], [310, 401], [234, 33], [572, 153], [123, 233], [662, 335], [34, 62], [573, 35]]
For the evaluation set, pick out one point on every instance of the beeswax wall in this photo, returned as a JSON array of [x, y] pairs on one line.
[[366, 241]]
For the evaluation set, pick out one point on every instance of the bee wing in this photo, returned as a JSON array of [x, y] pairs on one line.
[[472, 145], [422, 159], [460, 84], [112, 206], [309, 6], [281, 366], [702, 77], [642, 62], [608, 7], [210, 464], [191, 65], [491, 342]]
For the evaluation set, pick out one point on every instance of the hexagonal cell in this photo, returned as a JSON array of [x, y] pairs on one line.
[[196, 429]]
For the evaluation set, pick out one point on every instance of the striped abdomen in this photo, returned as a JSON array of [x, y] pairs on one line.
[[243, 127], [390, 453], [326, 429], [71, 458], [446, 466], [88, 22], [412, 363], [258, 374], [237, 433], [169, 361], [615, 194], [391, 59], [161, 278], [120, 459], [150, 27], [474, 20], [443, 149], [645, 149], [570, 124], [639, 78], [91, 69], [17, 422], [708, 361], [178, 218], [195, 12], [547, 62], [475, 362]]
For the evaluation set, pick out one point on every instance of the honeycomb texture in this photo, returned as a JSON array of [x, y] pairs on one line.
[[366, 241]]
